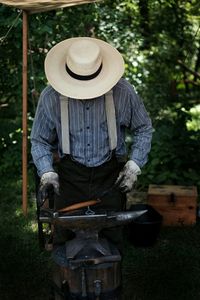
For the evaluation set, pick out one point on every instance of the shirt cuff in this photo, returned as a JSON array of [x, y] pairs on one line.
[[44, 165]]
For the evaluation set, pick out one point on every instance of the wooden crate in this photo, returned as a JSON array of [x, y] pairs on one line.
[[177, 204]]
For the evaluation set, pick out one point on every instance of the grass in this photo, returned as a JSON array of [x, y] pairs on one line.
[[24, 268], [170, 270]]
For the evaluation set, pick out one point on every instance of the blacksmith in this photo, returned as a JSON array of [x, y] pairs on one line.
[[83, 115]]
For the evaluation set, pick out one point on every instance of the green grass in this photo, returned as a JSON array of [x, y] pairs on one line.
[[170, 270], [24, 268]]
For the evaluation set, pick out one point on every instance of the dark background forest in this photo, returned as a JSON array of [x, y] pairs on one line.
[[160, 43]]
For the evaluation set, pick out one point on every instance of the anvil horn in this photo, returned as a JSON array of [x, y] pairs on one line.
[[96, 221]]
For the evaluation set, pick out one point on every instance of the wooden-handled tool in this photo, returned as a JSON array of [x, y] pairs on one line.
[[79, 205]]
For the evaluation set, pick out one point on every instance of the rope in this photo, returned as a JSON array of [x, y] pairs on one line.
[[2, 39]]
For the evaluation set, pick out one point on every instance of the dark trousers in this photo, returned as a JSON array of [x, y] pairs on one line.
[[79, 183]]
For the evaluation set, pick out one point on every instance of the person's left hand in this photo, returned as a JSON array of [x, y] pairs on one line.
[[128, 176]]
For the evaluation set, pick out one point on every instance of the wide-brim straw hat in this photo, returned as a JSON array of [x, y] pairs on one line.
[[83, 67]]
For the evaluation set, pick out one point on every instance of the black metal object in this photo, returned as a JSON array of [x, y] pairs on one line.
[[41, 237], [91, 265], [144, 231], [89, 268], [92, 222]]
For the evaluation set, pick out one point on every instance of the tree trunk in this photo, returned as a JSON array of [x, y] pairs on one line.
[[144, 22]]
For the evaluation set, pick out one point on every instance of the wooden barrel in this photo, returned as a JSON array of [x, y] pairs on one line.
[[84, 279], [95, 282], [87, 269]]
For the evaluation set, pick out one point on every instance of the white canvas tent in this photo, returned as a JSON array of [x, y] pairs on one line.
[[30, 7], [35, 6]]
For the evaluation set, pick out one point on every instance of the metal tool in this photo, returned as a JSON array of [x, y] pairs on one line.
[[95, 221]]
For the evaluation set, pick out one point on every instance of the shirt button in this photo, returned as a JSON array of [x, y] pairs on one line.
[[88, 127], [87, 108], [88, 145], [88, 160]]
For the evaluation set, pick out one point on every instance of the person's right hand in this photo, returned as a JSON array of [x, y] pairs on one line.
[[49, 186]]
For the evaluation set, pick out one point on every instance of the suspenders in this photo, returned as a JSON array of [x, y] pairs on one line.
[[111, 120], [110, 117], [64, 124]]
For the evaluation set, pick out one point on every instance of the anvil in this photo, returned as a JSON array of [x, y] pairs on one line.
[[81, 220]]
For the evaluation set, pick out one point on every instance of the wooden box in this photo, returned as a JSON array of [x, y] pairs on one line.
[[177, 204]]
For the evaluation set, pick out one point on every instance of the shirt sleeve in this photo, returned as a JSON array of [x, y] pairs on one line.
[[43, 135], [141, 129]]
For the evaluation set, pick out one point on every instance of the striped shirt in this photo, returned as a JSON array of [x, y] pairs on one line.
[[89, 140]]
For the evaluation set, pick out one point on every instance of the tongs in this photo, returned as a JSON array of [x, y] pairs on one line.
[[84, 204]]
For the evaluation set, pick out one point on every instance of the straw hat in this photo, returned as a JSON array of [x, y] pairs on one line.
[[83, 67]]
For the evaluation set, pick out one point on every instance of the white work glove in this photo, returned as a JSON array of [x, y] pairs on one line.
[[128, 176], [49, 186]]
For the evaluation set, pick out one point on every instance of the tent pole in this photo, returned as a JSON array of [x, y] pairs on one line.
[[24, 111]]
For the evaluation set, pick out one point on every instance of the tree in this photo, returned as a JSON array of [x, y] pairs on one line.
[[160, 44]]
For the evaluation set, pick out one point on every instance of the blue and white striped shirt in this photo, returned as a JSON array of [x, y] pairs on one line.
[[89, 140]]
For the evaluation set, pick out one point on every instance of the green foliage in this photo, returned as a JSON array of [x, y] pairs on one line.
[[194, 123], [175, 155], [160, 44]]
